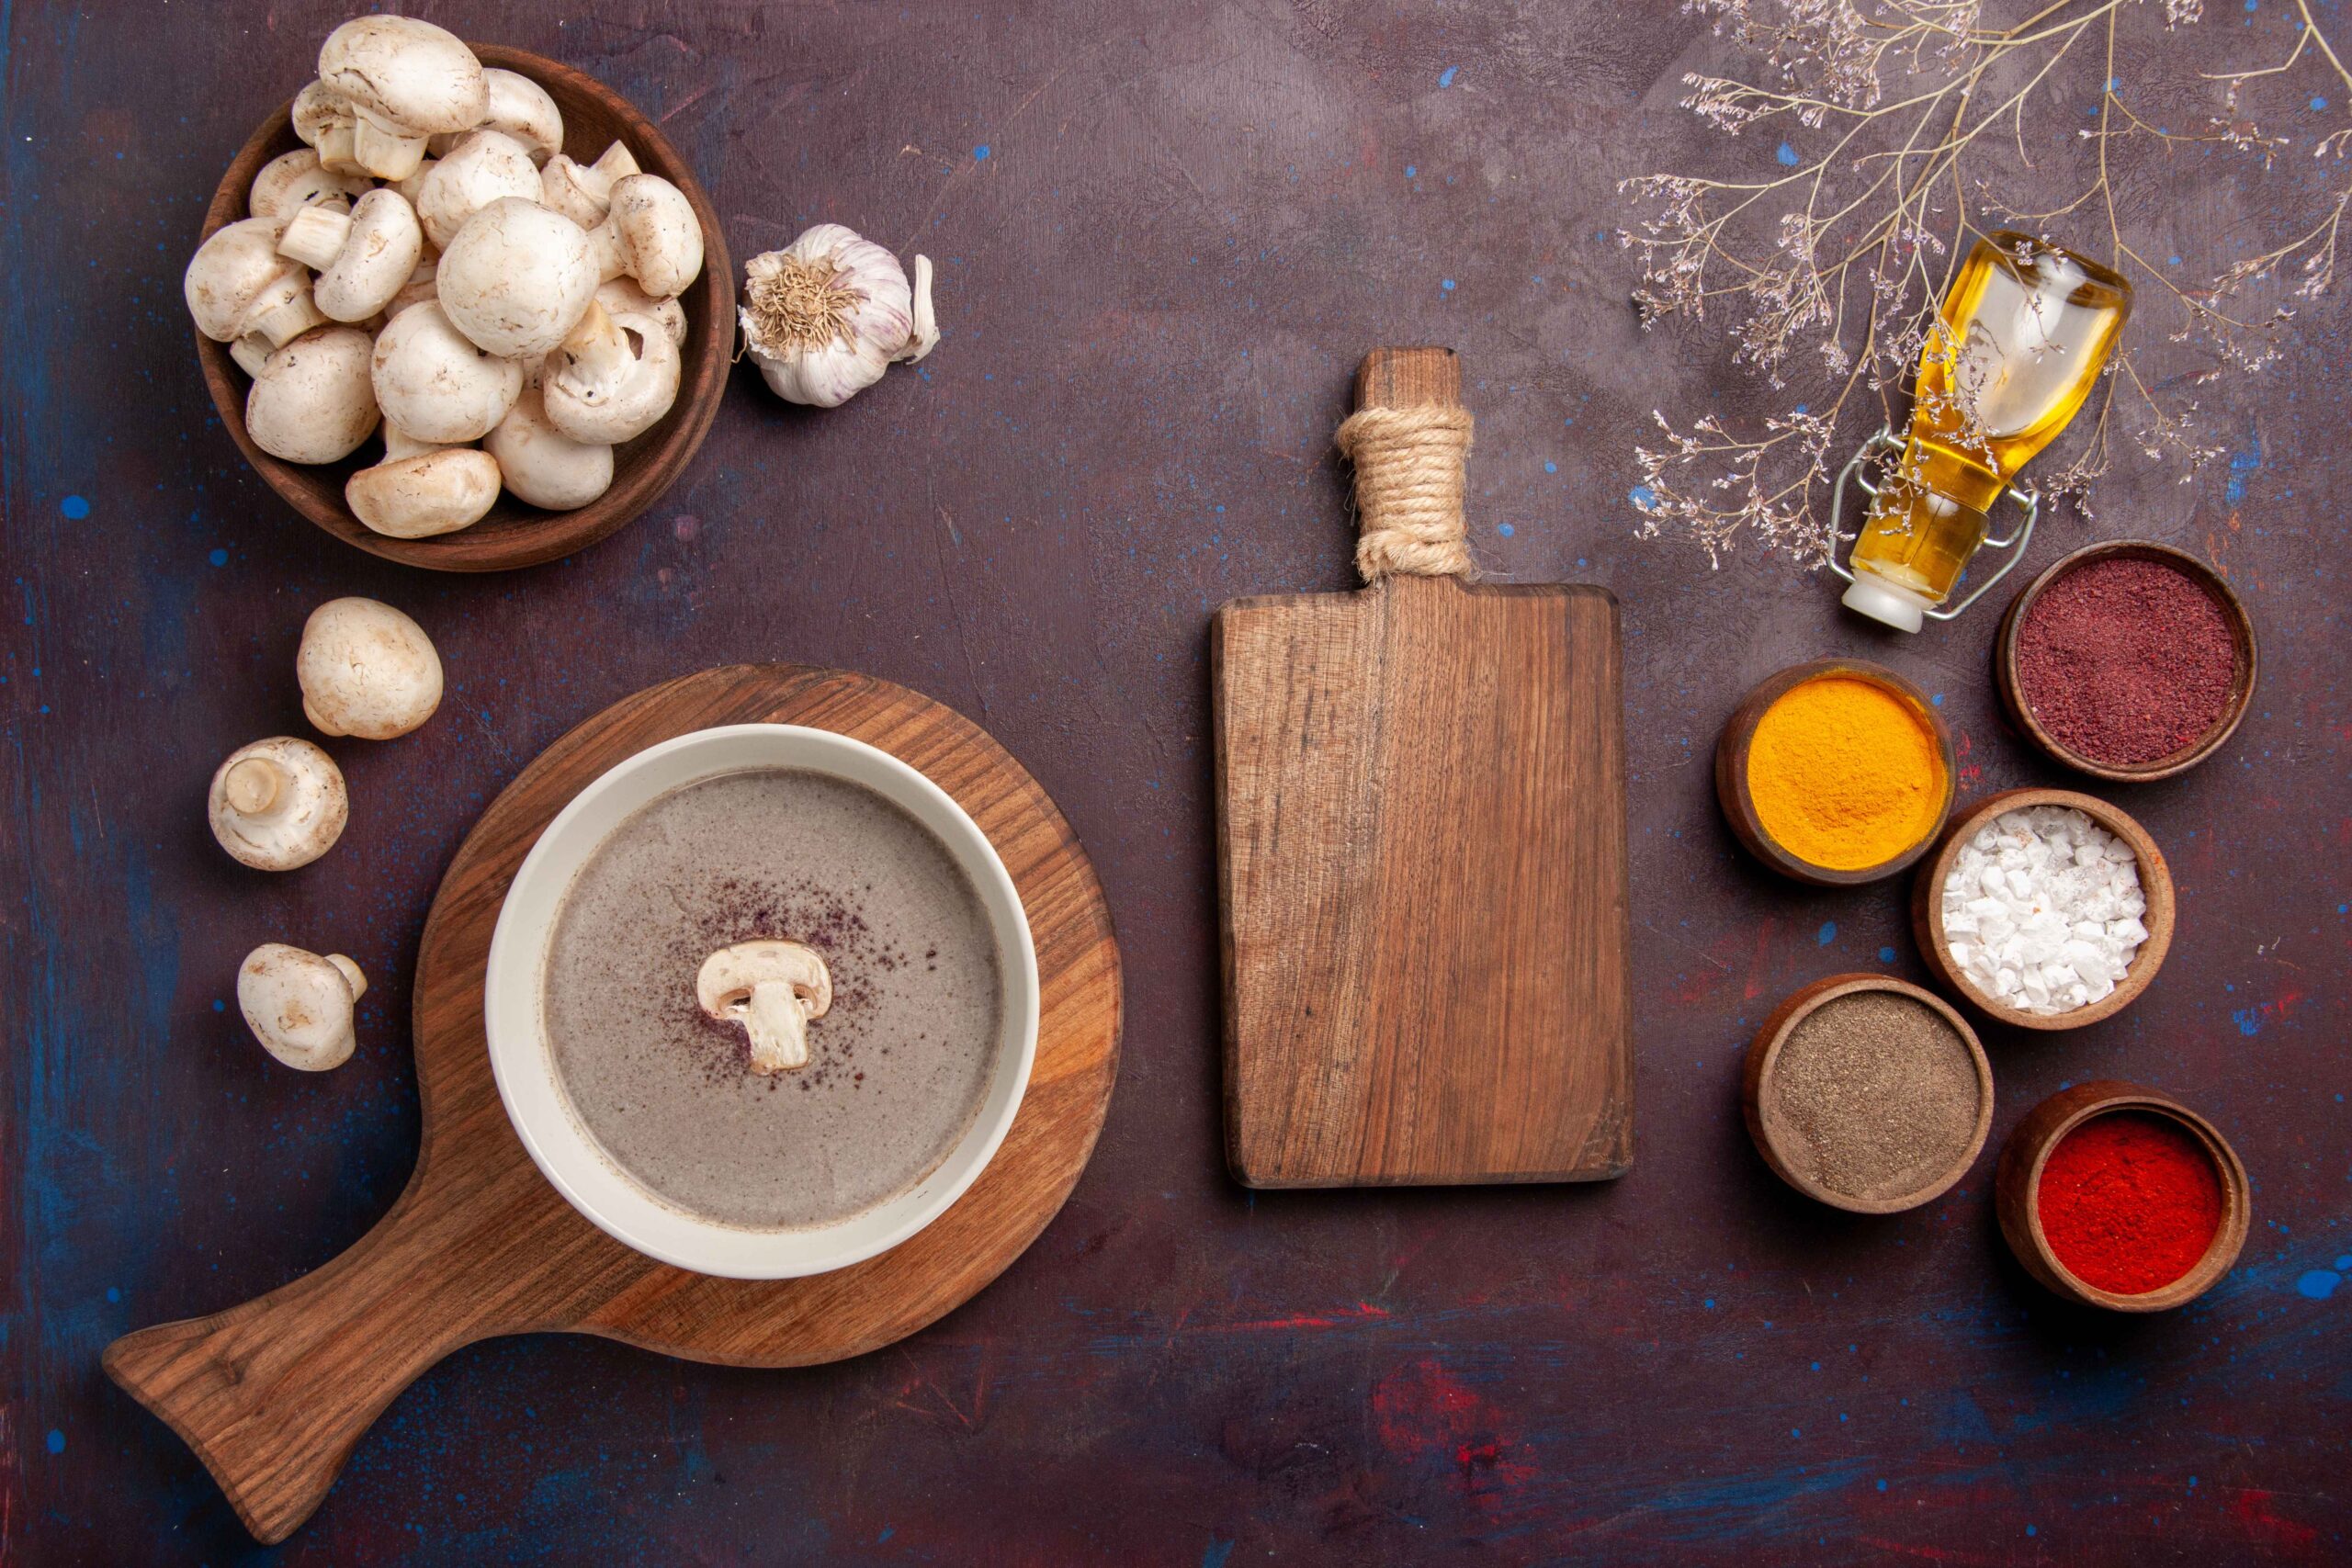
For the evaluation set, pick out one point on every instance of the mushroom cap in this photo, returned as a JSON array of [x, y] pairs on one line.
[[517, 278], [303, 812], [574, 190], [621, 296], [727, 976], [366, 670], [424, 491], [314, 400], [406, 75], [433, 383], [482, 167], [655, 237], [523, 109], [590, 401], [297, 180], [299, 1005], [238, 274], [543, 466], [375, 263]]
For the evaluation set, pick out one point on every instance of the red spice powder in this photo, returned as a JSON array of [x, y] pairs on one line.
[[2130, 1201], [2124, 659]]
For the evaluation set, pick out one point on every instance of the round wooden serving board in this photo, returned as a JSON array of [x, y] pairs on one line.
[[272, 1395]]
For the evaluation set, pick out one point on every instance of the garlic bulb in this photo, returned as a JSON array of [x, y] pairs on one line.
[[825, 316]]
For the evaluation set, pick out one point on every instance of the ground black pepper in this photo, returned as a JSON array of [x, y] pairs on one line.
[[1879, 1090], [2126, 660]]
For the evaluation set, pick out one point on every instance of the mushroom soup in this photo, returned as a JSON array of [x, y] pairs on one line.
[[773, 999]]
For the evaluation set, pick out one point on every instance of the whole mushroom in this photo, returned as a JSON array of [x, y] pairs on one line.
[[238, 284], [540, 464], [314, 400], [484, 167], [520, 108], [433, 383], [299, 1005], [421, 489], [612, 378], [366, 670], [652, 234], [516, 278], [295, 180], [621, 296], [278, 804], [325, 123], [363, 258], [405, 80], [583, 192]]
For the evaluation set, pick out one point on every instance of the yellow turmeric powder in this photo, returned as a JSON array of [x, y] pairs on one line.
[[1845, 774]]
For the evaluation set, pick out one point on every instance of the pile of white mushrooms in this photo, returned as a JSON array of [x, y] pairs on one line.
[[431, 262], [367, 670]]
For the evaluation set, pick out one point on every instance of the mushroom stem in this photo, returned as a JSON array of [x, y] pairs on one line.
[[293, 313], [351, 975], [779, 1027], [598, 347], [252, 786], [616, 162], [315, 236], [385, 154]]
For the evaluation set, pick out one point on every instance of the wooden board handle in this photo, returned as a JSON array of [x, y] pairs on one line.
[[272, 1395], [1409, 378]]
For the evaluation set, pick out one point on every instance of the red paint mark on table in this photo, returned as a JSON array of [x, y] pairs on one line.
[[1361, 1313], [1423, 1411], [2251, 1506]]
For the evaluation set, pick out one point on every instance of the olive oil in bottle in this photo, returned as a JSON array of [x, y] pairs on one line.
[[2020, 341]]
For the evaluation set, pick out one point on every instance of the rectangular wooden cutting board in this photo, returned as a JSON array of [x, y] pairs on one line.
[[1421, 857]]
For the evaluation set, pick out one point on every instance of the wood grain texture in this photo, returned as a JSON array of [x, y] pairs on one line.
[[513, 534], [1421, 858], [273, 1395], [2016, 1193]]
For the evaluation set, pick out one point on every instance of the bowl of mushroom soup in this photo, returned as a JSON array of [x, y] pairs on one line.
[[577, 507], [761, 1002]]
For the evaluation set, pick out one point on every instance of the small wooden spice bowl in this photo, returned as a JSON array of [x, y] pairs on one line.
[[1739, 734], [2017, 1186], [513, 534], [2156, 886], [2005, 667], [1764, 1051]]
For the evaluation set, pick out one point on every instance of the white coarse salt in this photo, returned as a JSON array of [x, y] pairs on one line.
[[2042, 910]]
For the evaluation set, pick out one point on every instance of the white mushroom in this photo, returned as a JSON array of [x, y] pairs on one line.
[[405, 80], [278, 804], [516, 278], [652, 234], [484, 167], [366, 670], [612, 378], [420, 488], [542, 465], [772, 989], [314, 400], [238, 284], [435, 384], [294, 180], [299, 1005], [520, 108], [325, 123], [363, 258], [622, 296], [583, 192]]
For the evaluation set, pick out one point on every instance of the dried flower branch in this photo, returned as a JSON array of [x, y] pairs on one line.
[[1827, 274]]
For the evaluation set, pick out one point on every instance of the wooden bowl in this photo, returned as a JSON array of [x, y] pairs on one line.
[[2156, 886], [513, 534], [2017, 1186], [1740, 806], [1765, 1049], [2005, 668]]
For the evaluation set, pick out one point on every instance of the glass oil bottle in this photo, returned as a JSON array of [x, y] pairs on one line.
[[2024, 331]]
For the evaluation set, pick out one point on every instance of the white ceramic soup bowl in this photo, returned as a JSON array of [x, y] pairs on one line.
[[520, 1056]]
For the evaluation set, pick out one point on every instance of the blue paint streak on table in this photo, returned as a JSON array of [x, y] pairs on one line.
[[1164, 238]]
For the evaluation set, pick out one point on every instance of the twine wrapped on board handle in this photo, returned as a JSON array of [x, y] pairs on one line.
[[1409, 439]]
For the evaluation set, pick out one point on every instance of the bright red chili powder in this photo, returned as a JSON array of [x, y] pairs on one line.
[[2130, 1201], [2126, 660]]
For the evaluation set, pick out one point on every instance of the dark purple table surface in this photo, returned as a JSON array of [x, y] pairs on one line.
[[1165, 234]]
